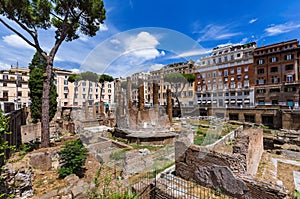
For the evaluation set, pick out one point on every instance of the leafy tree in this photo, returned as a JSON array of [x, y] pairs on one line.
[[4, 145], [72, 156], [37, 69], [67, 17], [178, 82], [102, 79]]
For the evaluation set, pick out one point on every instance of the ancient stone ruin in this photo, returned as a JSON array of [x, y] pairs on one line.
[[233, 173]]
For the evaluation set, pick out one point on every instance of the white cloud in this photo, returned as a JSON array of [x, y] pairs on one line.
[[281, 28], [156, 67], [16, 41], [75, 70], [253, 21], [216, 32], [143, 46], [227, 35], [192, 53], [4, 66], [115, 41], [103, 27]]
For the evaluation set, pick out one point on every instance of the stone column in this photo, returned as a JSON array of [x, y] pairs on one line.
[[155, 94], [169, 104], [86, 103], [141, 94], [128, 93], [94, 111]]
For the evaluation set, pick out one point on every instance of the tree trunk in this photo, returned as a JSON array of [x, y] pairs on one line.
[[45, 134]]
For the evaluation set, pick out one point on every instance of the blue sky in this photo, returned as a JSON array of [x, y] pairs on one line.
[[145, 35]]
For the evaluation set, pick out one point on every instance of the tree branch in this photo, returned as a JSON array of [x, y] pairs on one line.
[[19, 34]]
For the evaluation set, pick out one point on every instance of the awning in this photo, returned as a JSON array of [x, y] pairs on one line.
[[226, 101], [232, 101], [209, 102], [239, 101], [246, 101], [203, 102]]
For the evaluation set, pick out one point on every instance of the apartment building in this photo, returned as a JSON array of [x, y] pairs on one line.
[[186, 97], [276, 69], [89, 92], [65, 89], [134, 91], [226, 77], [14, 86]]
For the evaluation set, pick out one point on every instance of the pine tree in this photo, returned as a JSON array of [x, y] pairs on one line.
[[37, 69]]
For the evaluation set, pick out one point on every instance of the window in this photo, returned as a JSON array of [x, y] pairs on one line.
[[220, 86], [109, 90], [225, 79], [65, 82], [198, 76], [261, 80], [246, 77], [290, 89], [75, 96], [274, 102], [66, 76], [214, 61], [190, 93], [66, 95], [208, 75], [289, 67], [214, 87], [214, 74], [203, 75], [225, 86], [96, 90], [91, 96], [232, 79], [208, 87], [260, 71], [239, 71], [275, 79], [246, 93], [227, 94], [220, 59], [225, 73], [232, 93], [225, 59], [190, 84], [238, 55], [83, 89], [220, 73], [232, 71], [232, 85], [5, 76], [289, 57], [109, 85], [239, 93], [19, 93], [261, 102], [239, 77], [274, 90], [260, 91], [274, 69], [232, 57], [246, 69], [239, 85], [273, 59], [289, 78], [83, 83], [260, 61], [83, 96], [66, 88], [4, 84], [246, 83]]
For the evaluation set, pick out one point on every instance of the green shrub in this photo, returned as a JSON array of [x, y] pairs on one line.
[[72, 156]]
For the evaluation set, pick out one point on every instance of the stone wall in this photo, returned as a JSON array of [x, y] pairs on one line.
[[291, 120], [223, 171], [249, 143], [30, 132]]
